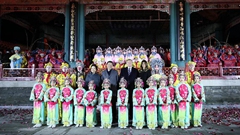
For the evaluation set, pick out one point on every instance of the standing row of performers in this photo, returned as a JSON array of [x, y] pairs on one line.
[[167, 101]]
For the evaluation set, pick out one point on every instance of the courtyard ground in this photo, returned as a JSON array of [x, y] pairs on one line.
[[216, 121]]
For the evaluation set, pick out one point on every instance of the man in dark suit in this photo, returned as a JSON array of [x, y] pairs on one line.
[[130, 74], [112, 75]]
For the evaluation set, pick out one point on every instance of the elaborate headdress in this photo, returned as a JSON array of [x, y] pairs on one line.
[[106, 81], [197, 74], [139, 80], [91, 83], [68, 79], [39, 75], [99, 48], [157, 62], [80, 80], [64, 65], [123, 81], [16, 48], [109, 49], [141, 48], [129, 49], [60, 53], [153, 48], [182, 73], [49, 64], [191, 63], [163, 78], [53, 79], [79, 63], [151, 79], [173, 65]]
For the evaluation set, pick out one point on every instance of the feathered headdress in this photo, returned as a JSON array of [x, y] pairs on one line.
[[49, 64], [123, 81], [139, 80]]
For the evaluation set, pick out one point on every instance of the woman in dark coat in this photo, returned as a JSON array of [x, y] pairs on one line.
[[144, 72], [93, 75]]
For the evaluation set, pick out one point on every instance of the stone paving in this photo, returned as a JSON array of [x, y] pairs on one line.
[[18, 122]]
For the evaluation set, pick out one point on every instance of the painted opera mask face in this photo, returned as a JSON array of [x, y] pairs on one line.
[[48, 69], [174, 70], [65, 69], [197, 79], [191, 67]]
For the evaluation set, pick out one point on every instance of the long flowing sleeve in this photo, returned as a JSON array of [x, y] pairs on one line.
[[126, 99], [160, 101], [94, 100], [203, 94], [32, 97], [75, 97], [134, 98], [168, 97], [143, 99], [179, 98], [146, 97], [85, 101], [46, 97], [109, 99], [118, 98], [101, 98], [194, 94], [42, 92], [189, 93]]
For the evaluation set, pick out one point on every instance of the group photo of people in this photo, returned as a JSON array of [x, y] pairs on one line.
[[140, 96]]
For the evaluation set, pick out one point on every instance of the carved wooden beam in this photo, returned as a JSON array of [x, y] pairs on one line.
[[32, 8], [100, 7]]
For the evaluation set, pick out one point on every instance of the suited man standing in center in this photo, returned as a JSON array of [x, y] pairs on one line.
[[130, 74]]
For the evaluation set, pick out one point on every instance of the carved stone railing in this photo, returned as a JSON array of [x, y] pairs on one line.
[[28, 74]]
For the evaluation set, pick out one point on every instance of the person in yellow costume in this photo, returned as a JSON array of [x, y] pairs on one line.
[[174, 71], [24, 60], [190, 72], [120, 64], [48, 74], [136, 62], [61, 79]]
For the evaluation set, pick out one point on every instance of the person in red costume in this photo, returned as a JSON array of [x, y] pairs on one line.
[[213, 60], [238, 58], [30, 60], [59, 59], [41, 60], [228, 59], [200, 61]]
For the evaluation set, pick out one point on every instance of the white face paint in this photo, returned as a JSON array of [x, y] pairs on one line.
[[174, 70], [48, 69], [64, 69]]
